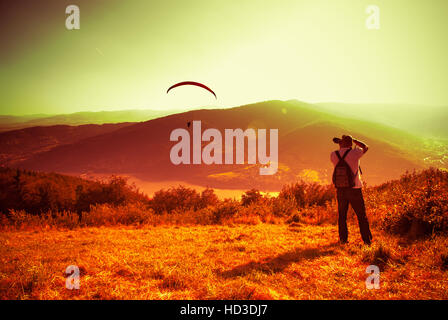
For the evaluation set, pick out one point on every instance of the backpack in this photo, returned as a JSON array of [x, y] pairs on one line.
[[343, 176]]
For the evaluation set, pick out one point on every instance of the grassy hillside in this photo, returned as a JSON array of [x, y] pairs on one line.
[[264, 261], [184, 245]]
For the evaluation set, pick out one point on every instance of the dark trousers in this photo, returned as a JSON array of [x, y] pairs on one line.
[[353, 197]]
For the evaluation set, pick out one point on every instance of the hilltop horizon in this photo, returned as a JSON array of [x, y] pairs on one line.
[[210, 106], [389, 114]]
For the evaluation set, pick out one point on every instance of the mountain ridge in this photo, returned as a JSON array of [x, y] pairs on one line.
[[11, 122], [142, 149]]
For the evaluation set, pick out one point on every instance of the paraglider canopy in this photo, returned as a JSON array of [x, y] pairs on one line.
[[191, 83]]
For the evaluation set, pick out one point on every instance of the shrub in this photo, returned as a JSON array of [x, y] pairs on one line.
[[106, 214], [416, 205], [115, 192], [308, 194], [318, 215], [20, 219], [251, 196], [283, 206], [225, 210], [37, 192], [256, 213], [444, 262], [378, 254], [208, 198], [182, 198]]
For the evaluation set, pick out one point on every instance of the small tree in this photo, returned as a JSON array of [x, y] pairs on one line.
[[251, 196]]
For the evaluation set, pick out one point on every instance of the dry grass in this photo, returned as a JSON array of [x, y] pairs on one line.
[[263, 261]]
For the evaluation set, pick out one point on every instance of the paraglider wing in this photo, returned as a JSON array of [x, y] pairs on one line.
[[191, 83]]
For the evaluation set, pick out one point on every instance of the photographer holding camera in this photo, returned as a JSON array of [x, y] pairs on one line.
[[347, 180]]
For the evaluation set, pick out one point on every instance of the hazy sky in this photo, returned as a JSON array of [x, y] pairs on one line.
[[127, 53]]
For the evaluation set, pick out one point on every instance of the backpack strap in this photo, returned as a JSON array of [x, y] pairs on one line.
[[345, 154], [343, 157]]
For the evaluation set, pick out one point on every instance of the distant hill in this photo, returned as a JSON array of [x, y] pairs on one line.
[[18, 145], [19, 122], [305, 133], [430, 121]]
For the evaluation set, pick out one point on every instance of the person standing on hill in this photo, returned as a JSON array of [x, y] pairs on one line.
[[347, 180]]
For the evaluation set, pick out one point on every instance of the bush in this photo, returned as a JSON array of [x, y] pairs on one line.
[[225, 210], [208, 198], [251, 196], [308, 194], [182, 198], [37, 193], [115, 192], [106, 214], [318, 215], [19, 219], [284, 207], [416, 205], [379, 254]]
